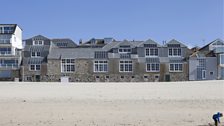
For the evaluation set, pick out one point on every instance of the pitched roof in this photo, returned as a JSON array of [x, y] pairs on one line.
[[173, 41], [38, 37], [149, 41], [74, 53], [64, 43]]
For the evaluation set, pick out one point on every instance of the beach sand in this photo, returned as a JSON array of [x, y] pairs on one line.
[[110, 104]]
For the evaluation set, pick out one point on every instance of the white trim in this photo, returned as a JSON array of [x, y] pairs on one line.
[[124, 66], [221, 60], [35, 67], [177, 67], [150, 52], [105, 62], [124, 49], [39, 42], [151, 67], [65, 64], [35, 54], [173, 52]]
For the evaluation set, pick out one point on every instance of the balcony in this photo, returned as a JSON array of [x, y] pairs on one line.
[[5, 53], [9, 66], [4, 41]]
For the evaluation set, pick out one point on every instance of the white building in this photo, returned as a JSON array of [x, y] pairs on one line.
[[10, 51]]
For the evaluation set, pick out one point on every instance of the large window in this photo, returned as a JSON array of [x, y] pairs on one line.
[[176, 67], [67, 65], [151, 52], [38, 42], [100, 66], [152, 67], [35, 67], [125, 66], [174, 52], [35, 54]]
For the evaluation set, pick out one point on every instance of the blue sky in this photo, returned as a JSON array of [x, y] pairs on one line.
[[193, 22]]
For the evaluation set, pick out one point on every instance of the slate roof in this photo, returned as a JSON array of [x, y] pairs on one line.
[[60, 53], [149, 41], [173, 41], [64, 43]]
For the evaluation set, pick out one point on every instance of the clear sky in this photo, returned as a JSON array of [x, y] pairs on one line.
[[193, 22]]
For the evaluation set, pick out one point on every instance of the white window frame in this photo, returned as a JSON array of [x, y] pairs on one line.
[[100, 64], [126, 67], [148, 52], [35, 67], [203, 74], [35, 54], [220, 62], [176, 65], [179, 54], [150, 65], [39, 42], [65, 64], [124, 50]]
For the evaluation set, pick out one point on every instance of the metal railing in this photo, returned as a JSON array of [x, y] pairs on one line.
[[4, 41], [9, 66]]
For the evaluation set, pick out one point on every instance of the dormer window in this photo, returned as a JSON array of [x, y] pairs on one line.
[[38, 42], [35, 54], [151, 52], [174, 52], [124, 50]]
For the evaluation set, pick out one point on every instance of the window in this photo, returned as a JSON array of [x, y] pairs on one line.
[[5, 51], [8, 29], [100, 55], [1, 29], [38, 42], [35, 54], [101, 66], [35, 67], [152, 67], [124, 50], [107, 77], [221, 59], [174, 52], [67, 65], [125, 66], [176, 67], [203, 74], [151, 52], [211, 73]]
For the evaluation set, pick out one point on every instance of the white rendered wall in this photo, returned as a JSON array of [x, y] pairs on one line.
[[16, 38]]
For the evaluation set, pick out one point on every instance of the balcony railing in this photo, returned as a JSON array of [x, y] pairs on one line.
[[9, 66], [5, 53], [4, 41]]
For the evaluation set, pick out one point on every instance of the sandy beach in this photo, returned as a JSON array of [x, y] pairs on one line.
[[110, 104]]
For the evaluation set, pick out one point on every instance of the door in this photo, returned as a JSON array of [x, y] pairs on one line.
[[167, 77], [37, 78]]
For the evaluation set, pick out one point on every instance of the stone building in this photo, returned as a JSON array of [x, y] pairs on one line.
[[119, 61], [10, 51], [36, 50]]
